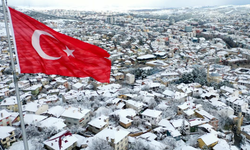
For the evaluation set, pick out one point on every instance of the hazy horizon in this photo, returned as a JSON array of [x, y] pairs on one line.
[[128, 4]]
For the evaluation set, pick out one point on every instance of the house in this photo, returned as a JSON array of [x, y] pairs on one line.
[[117, 138], [76, 116], [125, 122], [56, 123], [7, 135], [232, 91], [23, 84], [55, 111], [195, 123], [170, 130], [208, 117], [70, 96], [63, 82], [130, 78], [168, 94], [10, 103], [137, 106], [237, 104], [50, 99], [181, 125], [5, 92], [15, 118], [63, 140], [33, 119], [186, 106], [36, 107], [152, 116], [180, 96], [78, 86], [98, 124], [224, 145], [148, 136], [44, 81], [118, 76], [35, 89], [5, 119], [207, 141]]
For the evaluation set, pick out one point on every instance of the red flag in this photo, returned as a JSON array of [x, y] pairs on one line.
[[40, 49]]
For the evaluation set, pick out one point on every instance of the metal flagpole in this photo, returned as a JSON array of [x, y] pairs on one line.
[[14, 77]]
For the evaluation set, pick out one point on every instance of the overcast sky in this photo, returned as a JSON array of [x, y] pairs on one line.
[[106, 4]]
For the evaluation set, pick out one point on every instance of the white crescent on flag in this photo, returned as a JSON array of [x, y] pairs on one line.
[[35, 39]]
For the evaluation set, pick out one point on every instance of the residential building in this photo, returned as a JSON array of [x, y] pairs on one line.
[[182, 125], [152, 116], [130, 78], [207, 141], [9, 103], [137, 106], [239, 105], [76, 116], [117, 138], [37, 107], [7, 135], [98, 124], [63, 140], [5, 119], [208, 117]]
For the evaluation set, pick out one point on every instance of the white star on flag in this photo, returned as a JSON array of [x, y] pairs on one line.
[[69, 52]]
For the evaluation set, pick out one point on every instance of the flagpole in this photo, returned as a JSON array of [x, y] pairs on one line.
[[15, 78]]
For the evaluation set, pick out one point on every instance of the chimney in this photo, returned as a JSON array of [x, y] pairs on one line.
[[99, 118], [107, 138], [2, 115], [112, 140]]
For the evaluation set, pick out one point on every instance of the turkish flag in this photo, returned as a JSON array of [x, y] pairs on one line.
[[40, 49]]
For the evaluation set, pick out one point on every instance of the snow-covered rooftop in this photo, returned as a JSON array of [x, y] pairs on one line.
[[66, 140], [112, 133], [73, 112], [152, 113]]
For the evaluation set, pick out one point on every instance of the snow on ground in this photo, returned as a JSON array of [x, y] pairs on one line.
[[20, 146]]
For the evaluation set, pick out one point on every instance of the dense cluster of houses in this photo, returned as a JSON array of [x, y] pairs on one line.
[[143, 101]]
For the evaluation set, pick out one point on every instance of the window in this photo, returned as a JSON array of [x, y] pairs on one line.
[[69, 122]]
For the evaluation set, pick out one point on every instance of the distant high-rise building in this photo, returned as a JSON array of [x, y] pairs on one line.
[[111, 20], [188, 28]]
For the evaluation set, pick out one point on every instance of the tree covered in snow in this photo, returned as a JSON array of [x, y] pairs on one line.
[[170, 142], [76, 129], [99, 144], [140, 145], [198, 75], [152, 104], [32, 131], [137, 121], [143, 73]]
